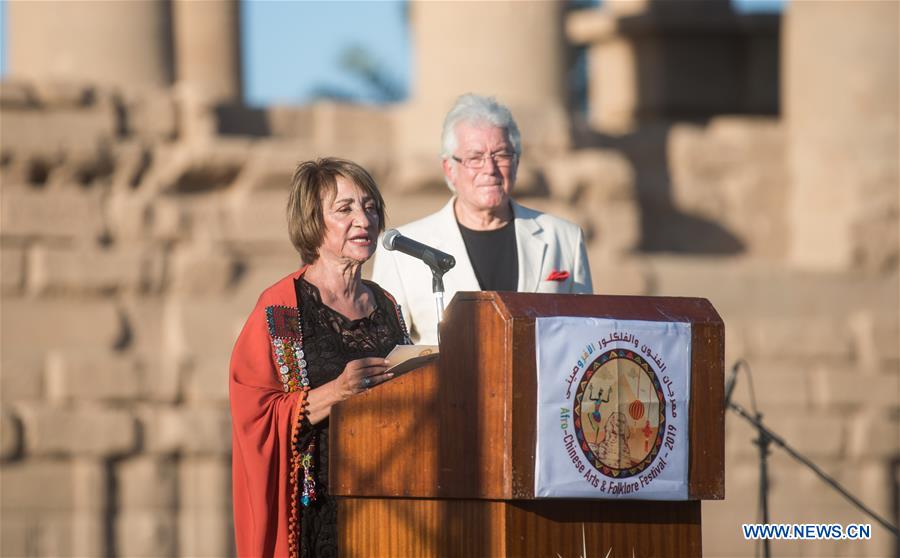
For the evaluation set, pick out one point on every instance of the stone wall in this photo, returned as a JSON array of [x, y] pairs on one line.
[[115, 315], [842, 105]]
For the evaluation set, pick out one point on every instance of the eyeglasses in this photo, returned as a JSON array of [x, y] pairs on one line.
[[502, 159]]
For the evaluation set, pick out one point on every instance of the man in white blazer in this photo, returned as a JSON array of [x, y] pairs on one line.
[[498, 244]]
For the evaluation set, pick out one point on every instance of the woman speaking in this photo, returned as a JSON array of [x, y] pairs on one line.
[[314, 339]]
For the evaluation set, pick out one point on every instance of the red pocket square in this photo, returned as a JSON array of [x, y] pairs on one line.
[[557, 276]]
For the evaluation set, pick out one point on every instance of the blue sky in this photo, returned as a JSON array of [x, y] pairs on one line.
[[293, 49]]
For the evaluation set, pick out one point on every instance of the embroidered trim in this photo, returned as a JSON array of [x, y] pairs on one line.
[[287, 346], [407, 340], [283, 322], [286, 333]]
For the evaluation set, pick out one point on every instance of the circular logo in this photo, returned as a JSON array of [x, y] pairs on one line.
[[619, 413]]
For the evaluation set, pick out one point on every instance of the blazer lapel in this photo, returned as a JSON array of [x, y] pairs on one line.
[[530, 249]]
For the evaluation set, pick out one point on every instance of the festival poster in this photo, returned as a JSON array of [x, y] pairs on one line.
[[612, 416]]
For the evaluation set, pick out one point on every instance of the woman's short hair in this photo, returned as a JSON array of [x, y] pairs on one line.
[[313, 183], [474, 109]]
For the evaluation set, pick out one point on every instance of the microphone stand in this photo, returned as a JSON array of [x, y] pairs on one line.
[[765, 438], [438, 262], [437, 287]]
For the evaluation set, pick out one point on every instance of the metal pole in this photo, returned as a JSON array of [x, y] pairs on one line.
[[763, 442], [437, 287], [439, 308]]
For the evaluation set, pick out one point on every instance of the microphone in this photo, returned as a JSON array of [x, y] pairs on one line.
[[732, 381], [438, 261]]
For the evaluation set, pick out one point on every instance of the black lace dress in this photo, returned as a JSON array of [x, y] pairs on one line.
[[330, 341]]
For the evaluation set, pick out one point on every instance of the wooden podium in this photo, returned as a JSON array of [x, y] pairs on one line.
[[440, 461]]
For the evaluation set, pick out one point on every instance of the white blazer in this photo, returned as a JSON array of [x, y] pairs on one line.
[[544, 244]]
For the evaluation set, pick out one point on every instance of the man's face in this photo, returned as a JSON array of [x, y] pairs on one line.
[[486, 188]]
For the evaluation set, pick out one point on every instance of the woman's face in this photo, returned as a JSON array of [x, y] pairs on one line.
[[351, 223]]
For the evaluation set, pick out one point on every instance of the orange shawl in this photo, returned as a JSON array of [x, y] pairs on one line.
[[267, 405], [265, 414]]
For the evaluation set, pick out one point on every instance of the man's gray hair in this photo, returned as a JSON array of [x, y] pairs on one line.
[[476, 109]]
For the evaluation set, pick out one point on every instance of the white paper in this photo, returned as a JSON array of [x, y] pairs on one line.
[[404, 358]]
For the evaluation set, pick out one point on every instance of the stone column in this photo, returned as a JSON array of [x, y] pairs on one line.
[[512, 50], [207, 47], [651, 60], [110, 43], [841, 109]]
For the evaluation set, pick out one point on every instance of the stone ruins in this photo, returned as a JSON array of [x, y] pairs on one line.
[[748, 159]]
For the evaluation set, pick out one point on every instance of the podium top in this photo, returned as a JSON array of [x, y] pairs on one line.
[[650, 308]]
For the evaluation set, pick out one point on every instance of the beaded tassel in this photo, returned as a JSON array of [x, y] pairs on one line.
[[308, 495]]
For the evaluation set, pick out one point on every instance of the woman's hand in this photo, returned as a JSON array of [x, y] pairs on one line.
[[360, 375]]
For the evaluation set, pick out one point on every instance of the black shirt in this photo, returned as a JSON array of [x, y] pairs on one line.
[[493, 256]]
